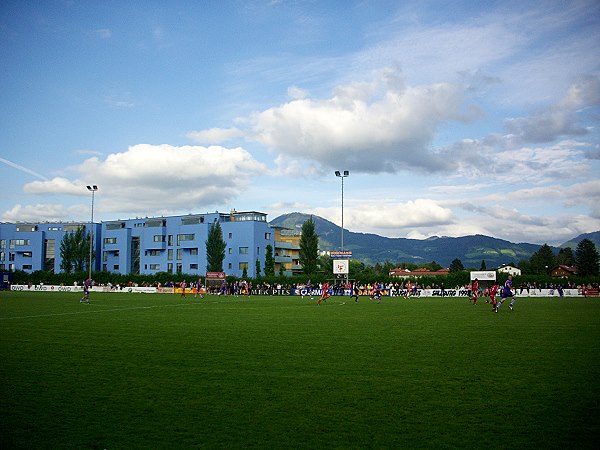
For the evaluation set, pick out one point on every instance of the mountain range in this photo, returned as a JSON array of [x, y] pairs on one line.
[[471, 250]]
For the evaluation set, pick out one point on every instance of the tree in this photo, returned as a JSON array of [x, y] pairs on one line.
[[542, 260], [74, 251], [215, 248], [257, 268], [309, 247], [525, 266], [435, 266], [456, 266], [565, 257], [586, 259], [483, 266], [269, 261]]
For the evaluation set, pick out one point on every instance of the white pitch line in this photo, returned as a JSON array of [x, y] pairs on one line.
[[92, 311]]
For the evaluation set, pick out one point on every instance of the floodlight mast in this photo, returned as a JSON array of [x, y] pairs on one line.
[[342, 176], [93, 188]]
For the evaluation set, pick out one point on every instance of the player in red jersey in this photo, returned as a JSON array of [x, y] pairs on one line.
[[492, 295], [325, 294], [475, 291]]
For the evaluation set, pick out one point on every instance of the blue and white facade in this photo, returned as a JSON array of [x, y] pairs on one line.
[[175, 244], [36, 246]]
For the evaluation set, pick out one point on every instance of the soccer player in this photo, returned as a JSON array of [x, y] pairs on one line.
[[475, 291], [198, 289], [377, 292], [491, 292], [183, 285], [325, 294], [355, 291], [86, 292], [507, 292]]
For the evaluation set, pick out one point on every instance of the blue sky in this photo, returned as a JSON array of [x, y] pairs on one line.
[[452, 118]]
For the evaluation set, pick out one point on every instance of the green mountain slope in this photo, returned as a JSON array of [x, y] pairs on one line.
[[372, 248]]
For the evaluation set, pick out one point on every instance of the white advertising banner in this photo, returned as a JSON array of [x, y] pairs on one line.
[[54, 288], [483, 275]]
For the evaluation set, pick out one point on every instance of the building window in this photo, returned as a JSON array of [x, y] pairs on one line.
[[268, 236], [243, 250], [159, 238], [154, 266], [179, 254], [153, 223], [19, 242], [110, 241], [230, 235], [184, 237], [194, 251], [230, 250], [2, 243], [170, 267], [243, 265], [28, 227], [27, 267], [152, 252], [170, 240], [170, 254], [193, 266], [27, 255], [229, 266], [116, 267], [2, 256]]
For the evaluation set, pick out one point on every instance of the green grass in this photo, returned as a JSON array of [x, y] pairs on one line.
[[156, 371]]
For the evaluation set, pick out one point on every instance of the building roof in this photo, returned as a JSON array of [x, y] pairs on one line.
[[422, 271]]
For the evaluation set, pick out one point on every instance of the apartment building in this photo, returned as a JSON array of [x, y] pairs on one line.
[[174, 244]]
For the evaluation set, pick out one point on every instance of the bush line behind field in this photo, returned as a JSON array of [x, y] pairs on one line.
[[461, 278]]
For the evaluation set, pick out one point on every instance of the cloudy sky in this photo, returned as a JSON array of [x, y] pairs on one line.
[[453, 117]]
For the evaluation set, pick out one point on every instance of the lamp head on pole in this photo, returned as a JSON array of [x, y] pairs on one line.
[[339, 174], [92, 188]]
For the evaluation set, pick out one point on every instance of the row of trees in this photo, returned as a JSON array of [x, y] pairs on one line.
[[585, 259]]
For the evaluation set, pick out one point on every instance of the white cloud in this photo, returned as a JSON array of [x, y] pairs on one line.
[[296, 93], [214, 135], [149, 179], [57, 185], [42, 212], [390, 217], [368, 127]]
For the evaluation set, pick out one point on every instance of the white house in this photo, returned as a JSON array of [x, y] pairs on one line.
[[510, 270]]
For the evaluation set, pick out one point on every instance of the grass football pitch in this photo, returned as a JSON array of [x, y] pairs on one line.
[[158, 371]]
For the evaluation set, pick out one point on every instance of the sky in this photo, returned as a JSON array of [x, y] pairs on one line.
[[453, 118]]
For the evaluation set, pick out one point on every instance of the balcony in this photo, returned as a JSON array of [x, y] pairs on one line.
[[283, 259]]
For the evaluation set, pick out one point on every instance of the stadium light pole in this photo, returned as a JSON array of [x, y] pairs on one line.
[[93, 188], [342, 176]]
